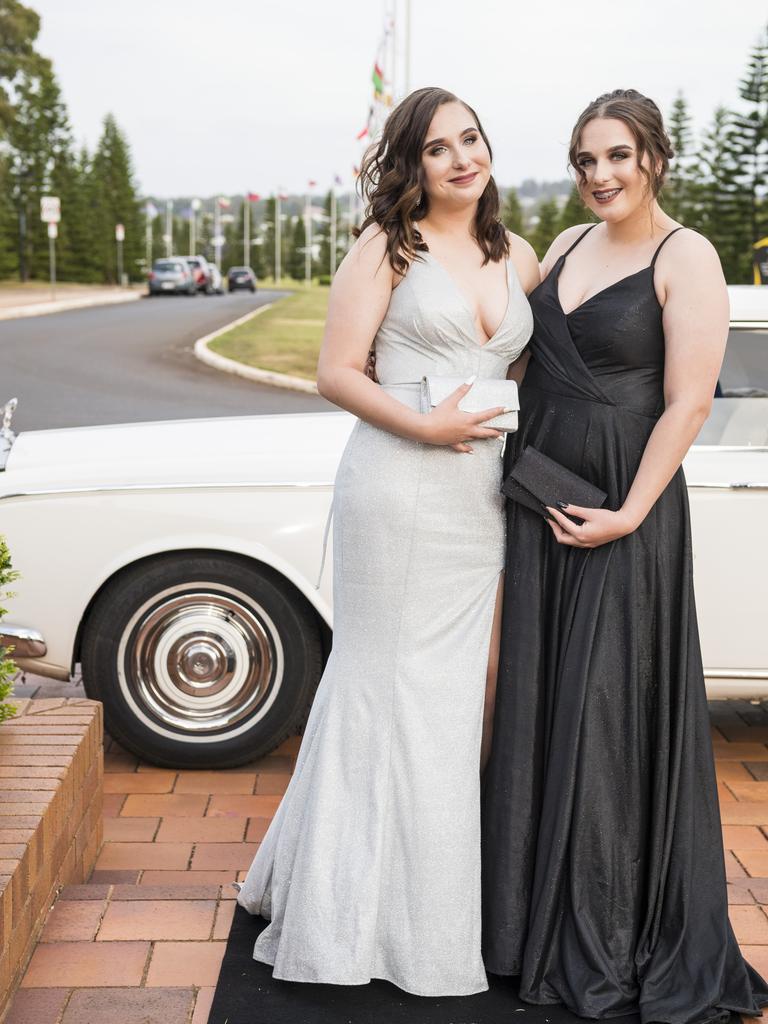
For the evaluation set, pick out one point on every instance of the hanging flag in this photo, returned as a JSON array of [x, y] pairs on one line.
[[377, 77], [311, 183], [282, 195], [253, 197], [337, 179], [151, 210], [224, 203], [362, 134]]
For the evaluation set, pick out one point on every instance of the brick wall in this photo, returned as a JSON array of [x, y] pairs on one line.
[[51, 781]]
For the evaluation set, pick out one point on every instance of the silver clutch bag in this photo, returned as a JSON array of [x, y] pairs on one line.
[[485, 393]]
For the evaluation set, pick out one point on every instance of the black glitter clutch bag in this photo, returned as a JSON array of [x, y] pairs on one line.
[[537, 481]]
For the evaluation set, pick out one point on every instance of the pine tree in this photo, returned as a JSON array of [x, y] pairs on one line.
[[751, 136], [512, 213], [295, 264], [574, 212], [546, 226], [9, 226], [19, 28], [38, 143], [722, 210], [114, 198], [679, 194]]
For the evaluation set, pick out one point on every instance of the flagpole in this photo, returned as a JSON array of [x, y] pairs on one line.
[[247, 232], [217, 232], [169, 227], [307, 239], [333, 229], [407, 46], [278, 243]]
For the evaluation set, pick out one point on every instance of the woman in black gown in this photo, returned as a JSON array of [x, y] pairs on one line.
[[604, 883]]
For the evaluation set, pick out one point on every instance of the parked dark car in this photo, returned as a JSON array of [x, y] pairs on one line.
[[173, 276], [201, 268], [241, 277]]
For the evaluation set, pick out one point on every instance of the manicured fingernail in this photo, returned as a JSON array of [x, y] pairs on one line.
[[472, 379], [562, 504], [508, 408]]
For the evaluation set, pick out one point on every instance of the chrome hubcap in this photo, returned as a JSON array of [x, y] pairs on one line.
[[200, 658]]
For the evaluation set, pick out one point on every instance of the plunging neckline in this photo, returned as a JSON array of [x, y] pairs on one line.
[[468, 304], [595, 295]]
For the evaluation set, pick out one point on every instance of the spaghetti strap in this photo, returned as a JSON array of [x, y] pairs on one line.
[[662, 243], [582, 235]]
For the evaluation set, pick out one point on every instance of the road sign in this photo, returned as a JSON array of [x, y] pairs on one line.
[[120, 232], [50, 209], [53, 229]]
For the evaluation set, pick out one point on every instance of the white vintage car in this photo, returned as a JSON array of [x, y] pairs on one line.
[[181, 562]]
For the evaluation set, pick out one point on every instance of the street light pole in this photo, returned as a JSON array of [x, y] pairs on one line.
[[333, 229]]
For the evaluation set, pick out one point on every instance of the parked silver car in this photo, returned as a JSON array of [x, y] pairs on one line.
[[172, 276]]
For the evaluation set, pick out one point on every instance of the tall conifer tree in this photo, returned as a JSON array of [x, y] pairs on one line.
[[114, 198]]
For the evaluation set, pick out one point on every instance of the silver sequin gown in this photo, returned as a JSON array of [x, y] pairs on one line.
[[371, 866]]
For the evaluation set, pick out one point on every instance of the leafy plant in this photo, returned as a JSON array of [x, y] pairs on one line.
[[7, 667]]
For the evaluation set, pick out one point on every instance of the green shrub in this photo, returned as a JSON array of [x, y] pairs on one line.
[[324, 279], [7, 667]]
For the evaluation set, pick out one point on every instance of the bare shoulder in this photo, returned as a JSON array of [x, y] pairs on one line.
[[368, 256], [687, 251], [525, 260], [566, 239], [561, 245]]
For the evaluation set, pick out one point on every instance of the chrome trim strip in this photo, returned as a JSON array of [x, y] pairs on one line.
[[26, 643], [735, 673], [728, 487], [276, 485], [728, 448]]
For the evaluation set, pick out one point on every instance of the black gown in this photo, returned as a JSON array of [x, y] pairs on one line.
[[603, 874]]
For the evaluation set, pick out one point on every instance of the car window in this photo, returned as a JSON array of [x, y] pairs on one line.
[[745, 366], [168, 265], [739, 415]]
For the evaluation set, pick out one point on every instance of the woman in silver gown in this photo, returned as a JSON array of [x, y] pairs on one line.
[[371, 866]]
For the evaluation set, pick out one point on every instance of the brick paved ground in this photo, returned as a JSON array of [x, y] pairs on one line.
[[143, 940]]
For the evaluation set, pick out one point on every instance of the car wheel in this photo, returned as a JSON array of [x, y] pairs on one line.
[[201, 660], [252, 289]]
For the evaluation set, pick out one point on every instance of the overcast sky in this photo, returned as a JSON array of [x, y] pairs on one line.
[[252, 94]]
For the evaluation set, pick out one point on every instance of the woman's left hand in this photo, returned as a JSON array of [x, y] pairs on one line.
[[600, 526]]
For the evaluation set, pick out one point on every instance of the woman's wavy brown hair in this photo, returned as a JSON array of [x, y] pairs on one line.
[[391, 180], [643, 118]]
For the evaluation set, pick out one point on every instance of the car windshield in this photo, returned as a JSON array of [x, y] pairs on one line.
[[168, 265], [740, 416], [239, 270], [193, 263]]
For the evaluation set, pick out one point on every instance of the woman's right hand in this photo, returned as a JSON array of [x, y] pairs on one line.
[[446, 424]]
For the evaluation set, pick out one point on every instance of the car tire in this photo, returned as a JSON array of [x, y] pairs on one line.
[[201, 660], [253, 290]]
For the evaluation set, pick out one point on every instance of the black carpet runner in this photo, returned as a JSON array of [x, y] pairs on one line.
[[246, 993]]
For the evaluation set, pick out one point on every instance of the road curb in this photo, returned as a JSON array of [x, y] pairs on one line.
[[62, 305], [254, 373]]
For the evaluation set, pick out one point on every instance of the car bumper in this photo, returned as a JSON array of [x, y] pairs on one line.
[[26, 642]]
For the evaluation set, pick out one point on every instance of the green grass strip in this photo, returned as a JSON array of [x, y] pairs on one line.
[[285, 339]]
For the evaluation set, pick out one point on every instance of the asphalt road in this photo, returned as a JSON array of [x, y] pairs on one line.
[[131, 362]]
